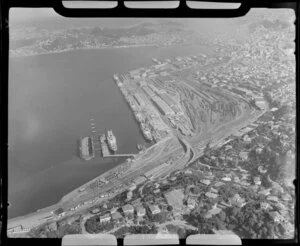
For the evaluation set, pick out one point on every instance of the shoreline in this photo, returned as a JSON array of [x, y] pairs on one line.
[[103, 48], [75, 191], [54, 206], [85, 48]]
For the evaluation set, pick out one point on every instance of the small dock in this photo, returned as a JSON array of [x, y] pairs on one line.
[[103, 146], [105, 150]]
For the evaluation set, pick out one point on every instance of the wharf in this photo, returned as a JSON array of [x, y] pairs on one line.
[[107, 154], [105, 150]]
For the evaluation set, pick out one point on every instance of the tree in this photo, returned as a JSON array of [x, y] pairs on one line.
[[181, 233], [153, 230], [265, 182], [207, 149], [264, 231], [51, 234], [270, 228], [121, 232], [92, 224], [222, 216]]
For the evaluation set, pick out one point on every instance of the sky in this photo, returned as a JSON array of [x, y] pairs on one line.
[[22, 14], [47, 18]]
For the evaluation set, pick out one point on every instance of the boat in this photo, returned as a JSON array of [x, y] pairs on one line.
[[116, 78], [102, 138], [111, 140], [140, 147], [146, 132], [86, 148]]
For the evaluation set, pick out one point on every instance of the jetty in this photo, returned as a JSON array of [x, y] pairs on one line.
[[99, 142]]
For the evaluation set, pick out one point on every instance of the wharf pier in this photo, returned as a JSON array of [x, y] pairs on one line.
[[103, 147], [99, 143]]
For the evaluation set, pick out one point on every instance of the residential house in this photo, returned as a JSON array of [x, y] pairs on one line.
[[244, 155], [156, 191], [265, 205], [113, 210], [132, 187], [218, 184], [191, 203], [208, 175], [261, 170], [257, 180], [227, 147], [213, 190], [154, 209], [136, 202], [245, 183], [287, 227], [237, 201], [226, 179], [215, 210], [129, 195], [224, 204], [223, 232], [205, 181], [105, 218], [188, 172], [264, 192], [236, 179], [59, 212], [141, 211], [211, 195], [247, 139], [272, 198], [276, 217], [116, 216], [128, 209], [286, 197]]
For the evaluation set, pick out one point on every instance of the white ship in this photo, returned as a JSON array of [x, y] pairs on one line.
[[146, 132], [111, 140]]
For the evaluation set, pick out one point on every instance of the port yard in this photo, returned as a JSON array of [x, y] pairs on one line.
[[180, 125], [93, 144], [181, 112]]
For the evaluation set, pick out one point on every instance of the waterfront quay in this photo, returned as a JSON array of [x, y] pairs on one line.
[[98, 142]]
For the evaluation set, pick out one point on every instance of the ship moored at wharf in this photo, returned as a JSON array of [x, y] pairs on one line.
[[86, 148], [111, 140], [117, 80], [146, 132]]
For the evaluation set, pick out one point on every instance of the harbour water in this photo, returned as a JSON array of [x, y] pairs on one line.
[[51, 101]]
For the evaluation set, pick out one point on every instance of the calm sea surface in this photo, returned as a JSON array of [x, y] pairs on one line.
[[51, 100]]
